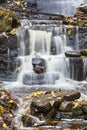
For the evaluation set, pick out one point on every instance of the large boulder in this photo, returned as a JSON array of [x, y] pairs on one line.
[[72, 54], [39, 65]]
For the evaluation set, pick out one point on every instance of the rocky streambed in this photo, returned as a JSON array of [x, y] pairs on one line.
[[42, 110]]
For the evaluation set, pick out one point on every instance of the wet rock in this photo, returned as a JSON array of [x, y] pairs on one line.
[[42, 107], [66, 106], [84, 108], [81, 15], [63, 115], [27, 121], [35, 79], [77, 112], [72, 97], [8, 106], [51, 115], [83, 52], [39, 65], [72, 54], [76, 69], [8, 18], [8, 54]]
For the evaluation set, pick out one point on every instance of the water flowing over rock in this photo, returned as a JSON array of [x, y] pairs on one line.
[[39, 65], [76, 69]]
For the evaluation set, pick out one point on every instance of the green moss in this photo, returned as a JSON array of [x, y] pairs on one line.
[[6, 19]]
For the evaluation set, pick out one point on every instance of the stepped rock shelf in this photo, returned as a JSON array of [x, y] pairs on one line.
[[49, 59]]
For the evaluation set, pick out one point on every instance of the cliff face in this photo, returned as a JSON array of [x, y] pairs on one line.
[[8, 55]]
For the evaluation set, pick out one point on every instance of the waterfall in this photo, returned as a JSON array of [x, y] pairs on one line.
[[40, 40], [66, 7]]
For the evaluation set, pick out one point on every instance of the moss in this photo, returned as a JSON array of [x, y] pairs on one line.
[[7, 18]]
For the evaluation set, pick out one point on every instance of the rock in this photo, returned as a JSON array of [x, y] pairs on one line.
[[76, 68], [27, 121], [8, 54], [8, 106], [73, 96], [72, 54], [84, 108], [8, 19], [51, 114], [66, 106], [42, 107], [83, 52], [81, 15], [39, 65], [77, 112], [60, 17]]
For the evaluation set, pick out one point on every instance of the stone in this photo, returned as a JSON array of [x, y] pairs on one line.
[[8, 54], [39, 65], [72, 97], [83, 52], [66, 106], [42, 107], [76, 68], [77, 112], [81, 15], [26, 120], [72, 54], [84, 108]]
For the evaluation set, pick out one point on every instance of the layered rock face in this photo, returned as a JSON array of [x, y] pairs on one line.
[[81, 14], [8, 54]]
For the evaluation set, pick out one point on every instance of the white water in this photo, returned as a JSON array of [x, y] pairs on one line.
[[66, 7], [40, 42]]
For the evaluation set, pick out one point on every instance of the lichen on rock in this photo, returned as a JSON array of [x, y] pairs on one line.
[[8, 19]]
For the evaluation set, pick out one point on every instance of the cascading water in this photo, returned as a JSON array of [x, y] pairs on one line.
[[41, 42], [66, 7]]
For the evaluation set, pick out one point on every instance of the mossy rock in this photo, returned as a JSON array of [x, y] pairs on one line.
[[8, 19]]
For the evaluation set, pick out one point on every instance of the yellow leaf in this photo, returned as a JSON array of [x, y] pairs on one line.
[[4, 126], [11, 101], [38, 93], [13, 31], [69, 31], [54, 122], [2, 110], [40, 128], [19, 69], [79, 103], [18, 2], [82, 56]]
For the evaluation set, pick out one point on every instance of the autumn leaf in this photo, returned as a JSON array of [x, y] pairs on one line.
[[13, 31], [38, 93], [79, 103], [2, 110], [4, 126], [11, 101]]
